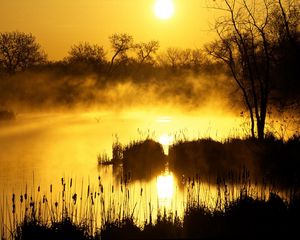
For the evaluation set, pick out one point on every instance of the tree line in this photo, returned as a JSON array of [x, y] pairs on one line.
[[20, 51]]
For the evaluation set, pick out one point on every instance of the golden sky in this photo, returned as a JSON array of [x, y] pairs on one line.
[[58, 24]]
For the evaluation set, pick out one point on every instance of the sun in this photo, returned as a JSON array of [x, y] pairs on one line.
[[165, 139], [164, 9]]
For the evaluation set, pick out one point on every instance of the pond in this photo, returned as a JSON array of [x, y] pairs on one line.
[[46, 147], [55, 155]]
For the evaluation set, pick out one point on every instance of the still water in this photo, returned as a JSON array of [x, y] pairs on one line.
[[38, 150], [47, 147]]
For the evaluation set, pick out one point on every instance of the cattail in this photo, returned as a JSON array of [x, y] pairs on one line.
[[51, 188], [21, 198], [74, 197], [25, 196], [62, 181], [14, 208], [56, 204], [88, 191], [44, 199], [92, 199], [13, 197], [39, 188], [71, 183], [112, 188]]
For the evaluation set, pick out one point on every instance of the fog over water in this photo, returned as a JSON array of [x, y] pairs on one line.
[[50, 146]]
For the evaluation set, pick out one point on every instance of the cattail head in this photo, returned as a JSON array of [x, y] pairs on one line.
[[92, 199], [74, 197], [14, 208], [44, 199]]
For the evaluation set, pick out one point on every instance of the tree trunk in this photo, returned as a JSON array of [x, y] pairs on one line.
[[260, 129]]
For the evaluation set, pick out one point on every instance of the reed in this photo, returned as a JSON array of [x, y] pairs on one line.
[[101, 212]]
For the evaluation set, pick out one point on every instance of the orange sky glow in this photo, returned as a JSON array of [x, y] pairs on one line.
[[59, 24]]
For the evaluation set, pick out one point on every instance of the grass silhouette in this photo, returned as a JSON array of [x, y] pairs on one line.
[[248, 216]]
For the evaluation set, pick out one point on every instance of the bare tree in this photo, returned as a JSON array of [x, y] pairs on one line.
[[246, 45], [19, 51], [178, 58], [145, 51], [120, 44], [285, 23], [86, 53]]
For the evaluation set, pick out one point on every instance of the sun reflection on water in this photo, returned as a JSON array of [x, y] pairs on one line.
[[165, 189]]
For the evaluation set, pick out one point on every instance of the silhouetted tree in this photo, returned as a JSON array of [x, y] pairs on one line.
[[285, 23], [170, 58], [145, 51], [177, 58], [120, 44], [246, 44], [19, 51], [86, 53]]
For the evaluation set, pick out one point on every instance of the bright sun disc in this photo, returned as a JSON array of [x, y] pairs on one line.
[[164, 9], [165, 139]]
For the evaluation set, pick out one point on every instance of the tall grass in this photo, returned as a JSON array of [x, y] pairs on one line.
[[96, 212]]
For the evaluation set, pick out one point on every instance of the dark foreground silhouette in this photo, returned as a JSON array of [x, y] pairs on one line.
[[245, 218]]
